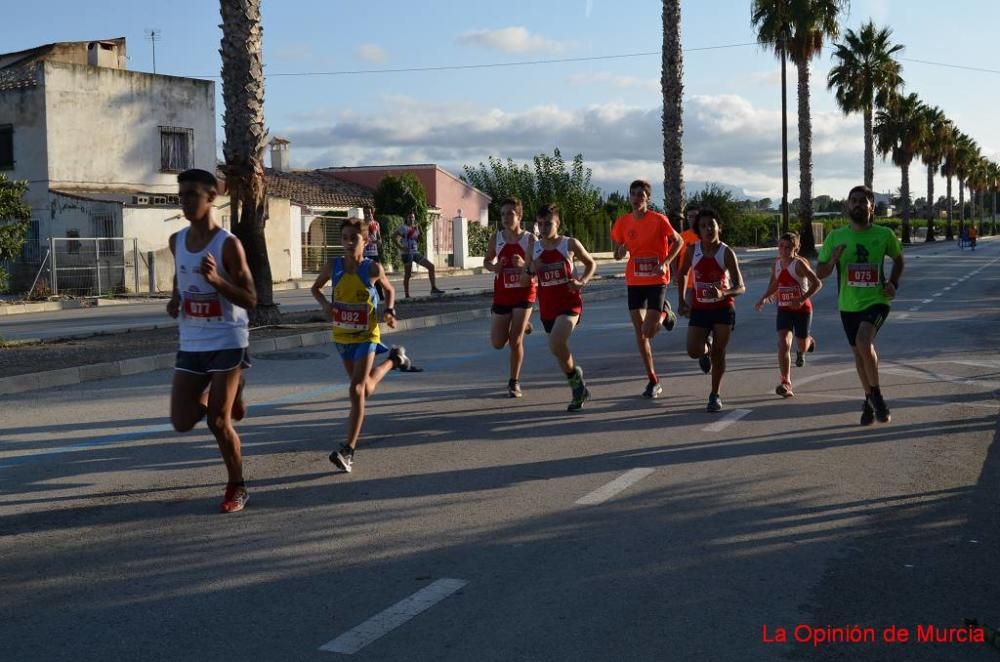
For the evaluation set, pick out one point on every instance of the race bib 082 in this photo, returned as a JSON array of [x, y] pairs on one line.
[[350, 316]]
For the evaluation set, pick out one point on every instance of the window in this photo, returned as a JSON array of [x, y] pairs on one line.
[[32, 243], [6, 147], [104, 226], [176, 149]]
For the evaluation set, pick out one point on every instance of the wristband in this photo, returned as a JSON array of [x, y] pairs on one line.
[[390, 311]]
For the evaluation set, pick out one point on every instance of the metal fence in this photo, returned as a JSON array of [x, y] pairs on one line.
[[93, 266]]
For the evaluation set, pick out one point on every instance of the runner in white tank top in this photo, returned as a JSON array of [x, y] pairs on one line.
[[213, 289]]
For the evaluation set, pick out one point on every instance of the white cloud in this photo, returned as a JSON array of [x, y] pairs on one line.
[[372, 53], [727, 139], [621, 82], [515, 39]]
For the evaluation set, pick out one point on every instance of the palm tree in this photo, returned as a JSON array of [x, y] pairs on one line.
[[965, 155], [672, 85], [950, 140], [799, 27], [866, 73], [932, 152], [994, 180], [243, 95], [978, 181], [899, 132]]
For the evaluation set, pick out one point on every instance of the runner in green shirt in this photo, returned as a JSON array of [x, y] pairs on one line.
[[858, 252]]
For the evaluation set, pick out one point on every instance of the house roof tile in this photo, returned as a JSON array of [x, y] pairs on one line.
[[316, 189]]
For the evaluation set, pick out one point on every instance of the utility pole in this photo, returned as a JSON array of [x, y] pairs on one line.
[[153, 35]]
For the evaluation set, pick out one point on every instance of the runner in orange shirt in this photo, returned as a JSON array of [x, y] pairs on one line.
[[690, 237], [651, 244]]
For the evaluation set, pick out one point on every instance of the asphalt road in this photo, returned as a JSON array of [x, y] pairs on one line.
[[484, 528]]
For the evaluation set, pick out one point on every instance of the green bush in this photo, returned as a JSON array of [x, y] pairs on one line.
[[390, 225], [750, 229], [479, 238]]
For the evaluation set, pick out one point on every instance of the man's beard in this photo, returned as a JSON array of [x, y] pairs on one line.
[[859, 216]]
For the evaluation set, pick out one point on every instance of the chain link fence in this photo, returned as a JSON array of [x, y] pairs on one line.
[[92, 266]]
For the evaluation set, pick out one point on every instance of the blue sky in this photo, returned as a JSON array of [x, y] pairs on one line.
[[606, 109]]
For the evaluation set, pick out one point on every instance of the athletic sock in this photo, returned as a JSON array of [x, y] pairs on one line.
[[652, 377]]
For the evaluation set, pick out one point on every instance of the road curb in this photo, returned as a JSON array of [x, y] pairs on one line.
[[143, 364]]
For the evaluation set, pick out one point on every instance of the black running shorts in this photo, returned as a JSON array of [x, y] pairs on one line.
[[641, 297], [874, 315], [204, 363], [796, 321]]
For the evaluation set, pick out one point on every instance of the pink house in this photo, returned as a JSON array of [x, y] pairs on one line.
[[446, 195]]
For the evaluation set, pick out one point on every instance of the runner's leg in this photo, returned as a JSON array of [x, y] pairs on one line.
[[865, 356], [518, 323], [359, 370], [188, 400], [697, 341], [221, 394], [559, 342], [427, 264], [639, 319], [721, 333], [407, 272], [784, 355], [500, 329]]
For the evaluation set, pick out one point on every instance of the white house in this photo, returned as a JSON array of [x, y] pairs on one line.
[[101, 147]]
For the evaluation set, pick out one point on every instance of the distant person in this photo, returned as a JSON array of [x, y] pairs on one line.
[[373, 246], [973, 233], [408, 241], [213, 290]]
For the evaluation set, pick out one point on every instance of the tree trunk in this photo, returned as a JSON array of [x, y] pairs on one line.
[[869, 149], [961, 207], [994, 212], [784, 140], [905, 195], [672, 85], [948, 235], [931, 169], [807, 242], [245, 136]]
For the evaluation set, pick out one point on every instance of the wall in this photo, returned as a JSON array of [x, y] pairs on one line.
[[24, 109], [103, 126], [152, 226]]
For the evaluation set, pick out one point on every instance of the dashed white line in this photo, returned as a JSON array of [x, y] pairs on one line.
[[726, 420], [902, 316], [937, 294], [620, 484], [382, 623], [914, 309], [927, 301]]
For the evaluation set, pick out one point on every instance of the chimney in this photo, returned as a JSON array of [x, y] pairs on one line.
[[107, 54], [279, 155]]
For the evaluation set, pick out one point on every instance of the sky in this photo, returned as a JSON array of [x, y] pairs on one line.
[[606, 109]]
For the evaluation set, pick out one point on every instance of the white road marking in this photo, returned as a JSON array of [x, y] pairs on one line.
[[914, 309], [902, 316], [927, 301], [620, 484], [726, 420], [948, 288], [937, 294], [382, 623]]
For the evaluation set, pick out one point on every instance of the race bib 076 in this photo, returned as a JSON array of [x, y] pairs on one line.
[[552, 274]]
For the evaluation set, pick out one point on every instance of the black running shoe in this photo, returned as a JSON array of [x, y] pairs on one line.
[[343, 458], [799, 360], [437, 291], [653, 390], [714, 403], [867, 413], [671, 319], [397, 354], [882, 414], [528, 329], [580, 392], [705, 362]]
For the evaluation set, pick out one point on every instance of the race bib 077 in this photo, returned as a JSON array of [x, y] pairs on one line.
[[202, 305]]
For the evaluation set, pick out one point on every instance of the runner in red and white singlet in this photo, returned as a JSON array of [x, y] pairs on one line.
[[793, 284], [560, 304], [507, 257], [717, 279]]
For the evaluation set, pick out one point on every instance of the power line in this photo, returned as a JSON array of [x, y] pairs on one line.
[[491, 65], [592, 58]]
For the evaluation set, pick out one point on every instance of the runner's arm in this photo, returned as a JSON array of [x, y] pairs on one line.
[[317, 290], [239, 288], [897, 271], [675, 249], [804, 270], [684, 264], [824, 269], [174, 305], [772, 287], [529, 264], [390, 293], [589, 264], [489, 262], [739, 287]]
